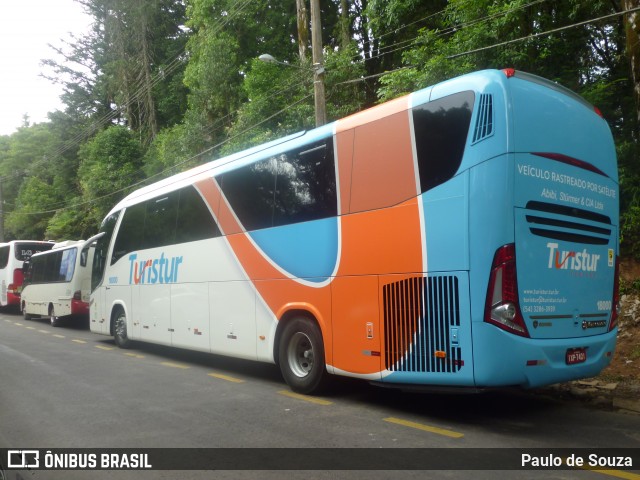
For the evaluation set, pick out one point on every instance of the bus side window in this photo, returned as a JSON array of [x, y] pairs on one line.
[[306, 184], [131, 232], [441, 128], [84, 256], [250, 192], [67, 265], [102, 247], [4, 256], [160, 221], [195, 221], [52, 267]]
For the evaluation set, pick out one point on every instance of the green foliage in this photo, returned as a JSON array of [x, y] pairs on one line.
[[158, 82], [31, 215], [110, 164]]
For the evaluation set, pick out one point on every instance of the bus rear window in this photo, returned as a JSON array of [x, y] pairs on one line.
[[23, 251], [441, 129]]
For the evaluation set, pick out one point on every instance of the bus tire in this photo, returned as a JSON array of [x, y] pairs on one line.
[[53, 319], [120, 329], [301, 356]]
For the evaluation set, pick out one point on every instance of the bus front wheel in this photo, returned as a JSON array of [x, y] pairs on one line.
[[301, 356], [25, 315], [53, 318], [120, 330]]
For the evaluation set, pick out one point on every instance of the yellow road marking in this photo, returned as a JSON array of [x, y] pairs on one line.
[[58, 336], [102, 347], [226, 377], [174, 365], [30, 328], [306, 398], [425, 428], [613, 473], [43, 331], [134, 355], [78, 341], [19, 324]]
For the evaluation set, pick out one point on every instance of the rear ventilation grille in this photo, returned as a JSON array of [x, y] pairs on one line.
[[419, 313], [568, 224], [484, 121]]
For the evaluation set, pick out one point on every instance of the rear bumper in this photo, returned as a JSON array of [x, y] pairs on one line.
[[13, 298], [78, 307], [501, 359]]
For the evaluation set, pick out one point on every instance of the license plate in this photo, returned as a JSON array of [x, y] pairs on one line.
[[576, 355]]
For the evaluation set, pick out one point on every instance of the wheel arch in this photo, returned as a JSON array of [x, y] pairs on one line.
[[116, 307], [292, 311]]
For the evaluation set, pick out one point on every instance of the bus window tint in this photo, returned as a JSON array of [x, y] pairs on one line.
[[195, 221], [131, 232], [4, 256], [23, 251], [441, 129], [68, 265], [52, 267], [250, 191], [38, 267], [160, 221], [102, 246], [57, 266], [305, 185]]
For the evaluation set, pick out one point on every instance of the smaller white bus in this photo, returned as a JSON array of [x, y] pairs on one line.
[[12, 256], [57, 283]]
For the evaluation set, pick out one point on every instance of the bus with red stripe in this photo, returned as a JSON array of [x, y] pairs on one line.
[[13, 254]]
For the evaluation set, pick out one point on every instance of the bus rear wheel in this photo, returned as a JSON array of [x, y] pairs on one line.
[[301, 356], [53, 318], [120, 330]]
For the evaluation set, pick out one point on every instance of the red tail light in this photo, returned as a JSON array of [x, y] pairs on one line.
[[502, 307], [18, 278], [615, 304], [558, 157]]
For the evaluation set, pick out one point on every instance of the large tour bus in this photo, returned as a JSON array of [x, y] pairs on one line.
[[57, 283], [12, 257], [464, 235]]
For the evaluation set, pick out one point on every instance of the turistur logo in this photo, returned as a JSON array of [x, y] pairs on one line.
[[570, 260], [153, 270]]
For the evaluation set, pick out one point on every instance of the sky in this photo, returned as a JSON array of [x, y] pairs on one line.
[[26, 27]]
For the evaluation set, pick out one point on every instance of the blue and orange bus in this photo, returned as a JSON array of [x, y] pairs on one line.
[[464, 235]]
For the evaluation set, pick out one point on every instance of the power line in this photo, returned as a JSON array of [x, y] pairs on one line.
[[293, 84], [548, 32], [138, 93]]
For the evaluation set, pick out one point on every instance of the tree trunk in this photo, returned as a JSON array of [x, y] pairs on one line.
[[345, 24], [303, 29], [148, 120]]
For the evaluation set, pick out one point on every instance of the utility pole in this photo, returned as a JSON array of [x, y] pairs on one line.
[[318, 64]]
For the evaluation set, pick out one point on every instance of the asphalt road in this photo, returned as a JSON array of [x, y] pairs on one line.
[[68, 388]]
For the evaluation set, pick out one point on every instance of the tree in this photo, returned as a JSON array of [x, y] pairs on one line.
[[133, 55], [31, 215], [110, 164]]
